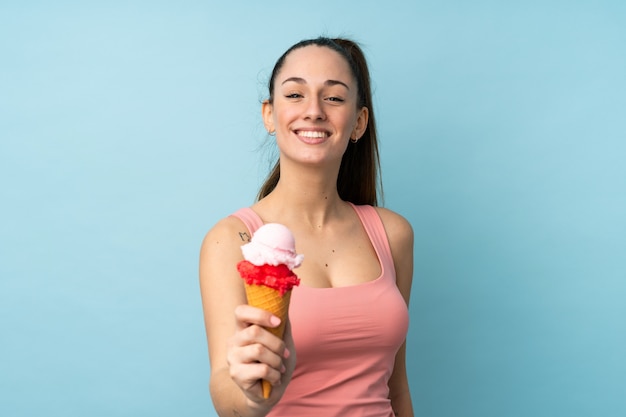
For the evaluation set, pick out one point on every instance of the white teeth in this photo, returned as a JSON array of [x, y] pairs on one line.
[[311, 134]]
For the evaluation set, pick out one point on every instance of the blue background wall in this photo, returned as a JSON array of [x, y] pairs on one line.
[[128, 128]]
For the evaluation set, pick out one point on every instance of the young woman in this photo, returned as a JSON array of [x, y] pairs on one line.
[[349, 317]]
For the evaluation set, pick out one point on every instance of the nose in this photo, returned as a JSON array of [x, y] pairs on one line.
[[314, 110]]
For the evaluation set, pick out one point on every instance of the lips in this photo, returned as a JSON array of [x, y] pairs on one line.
[[312, 134], [312, 137]]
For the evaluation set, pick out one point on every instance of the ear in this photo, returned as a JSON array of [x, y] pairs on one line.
[[267, 110], [361, 122]]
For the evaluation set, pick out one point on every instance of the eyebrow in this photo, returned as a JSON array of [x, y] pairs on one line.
[[329, 83]]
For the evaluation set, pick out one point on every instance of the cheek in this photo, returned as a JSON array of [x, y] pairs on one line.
[[284, 117], [350, 122]]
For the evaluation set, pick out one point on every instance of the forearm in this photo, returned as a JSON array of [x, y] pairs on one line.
[[402, 404], [230, 401]]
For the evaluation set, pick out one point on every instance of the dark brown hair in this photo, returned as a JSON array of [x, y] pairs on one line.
[[358, 181]]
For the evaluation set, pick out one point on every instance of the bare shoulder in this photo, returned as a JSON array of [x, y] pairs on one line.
[[399, 230], [220, 252], [227, 233]]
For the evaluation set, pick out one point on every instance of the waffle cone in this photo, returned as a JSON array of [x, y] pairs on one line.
[[270, 300]]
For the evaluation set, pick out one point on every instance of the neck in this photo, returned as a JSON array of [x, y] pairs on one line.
[[305, 196]]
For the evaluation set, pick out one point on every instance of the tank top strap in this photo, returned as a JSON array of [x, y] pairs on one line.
[[249, 218], [375, 229]]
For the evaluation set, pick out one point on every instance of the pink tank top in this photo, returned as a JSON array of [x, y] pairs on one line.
[[346, 338]]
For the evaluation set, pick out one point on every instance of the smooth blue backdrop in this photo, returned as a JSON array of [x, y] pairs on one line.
[[127, 128]]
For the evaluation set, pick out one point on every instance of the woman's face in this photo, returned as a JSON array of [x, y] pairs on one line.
[[314, 111]]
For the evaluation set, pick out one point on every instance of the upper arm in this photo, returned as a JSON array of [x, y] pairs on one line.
[[221, 287]]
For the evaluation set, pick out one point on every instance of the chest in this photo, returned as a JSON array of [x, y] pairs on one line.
[[339, 260], [331, 324]]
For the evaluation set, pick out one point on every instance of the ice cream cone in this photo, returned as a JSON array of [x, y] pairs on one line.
[[270, 300]]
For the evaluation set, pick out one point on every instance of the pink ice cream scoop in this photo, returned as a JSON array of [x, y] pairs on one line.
[[272, 244]]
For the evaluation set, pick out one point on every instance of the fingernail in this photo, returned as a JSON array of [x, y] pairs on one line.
[[286, 353], [274, 320], [282, 368]]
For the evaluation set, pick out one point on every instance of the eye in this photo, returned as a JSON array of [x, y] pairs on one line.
[[335, 99], [293, 95]]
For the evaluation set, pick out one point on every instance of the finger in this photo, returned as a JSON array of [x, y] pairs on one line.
[[249, 376], [257, 335], [258, 353], [247, 314], [256, 344]]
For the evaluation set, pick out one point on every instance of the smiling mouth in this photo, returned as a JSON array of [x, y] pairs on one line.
[[311, 133]]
